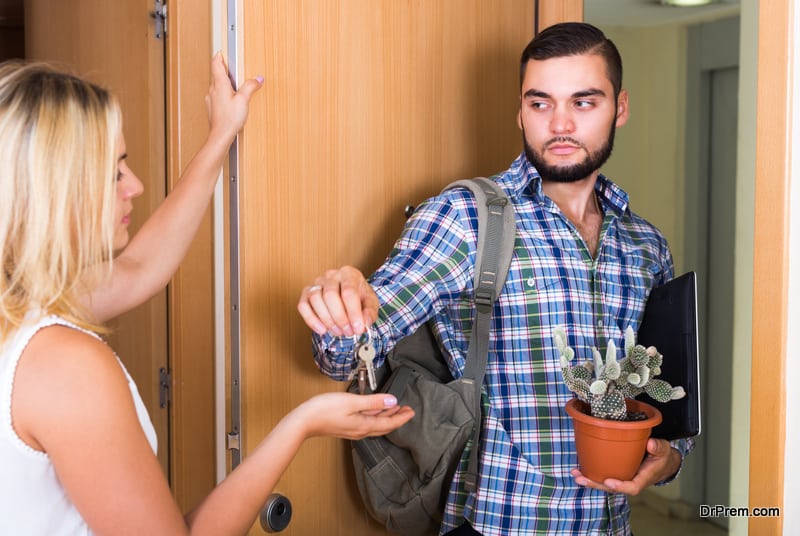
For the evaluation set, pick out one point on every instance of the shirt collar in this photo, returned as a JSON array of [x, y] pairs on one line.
[[525, 180]]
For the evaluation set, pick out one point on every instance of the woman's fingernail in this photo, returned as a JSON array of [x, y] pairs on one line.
[[260, 79], [389, 402]]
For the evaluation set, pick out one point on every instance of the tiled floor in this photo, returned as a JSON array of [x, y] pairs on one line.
[[647, 521]]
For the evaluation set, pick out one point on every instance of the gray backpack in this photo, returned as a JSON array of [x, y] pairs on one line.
[[404, 477]]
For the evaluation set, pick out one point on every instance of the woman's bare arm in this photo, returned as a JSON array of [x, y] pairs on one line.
[[149, 261]]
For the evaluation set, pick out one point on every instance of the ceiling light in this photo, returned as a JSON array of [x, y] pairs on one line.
[[685, 3]]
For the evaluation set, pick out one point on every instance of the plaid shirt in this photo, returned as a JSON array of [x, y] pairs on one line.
[[527, 441]]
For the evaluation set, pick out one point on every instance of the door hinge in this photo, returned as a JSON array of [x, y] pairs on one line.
[[159, 13], [233, 441], [164, 388]]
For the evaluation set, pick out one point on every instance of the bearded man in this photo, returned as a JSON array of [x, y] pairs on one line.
[[583, 260]]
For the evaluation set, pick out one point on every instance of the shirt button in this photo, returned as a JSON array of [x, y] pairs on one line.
[[600, 323], [531, 282]]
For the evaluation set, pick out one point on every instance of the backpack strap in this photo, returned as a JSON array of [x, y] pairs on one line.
[[496, 237]]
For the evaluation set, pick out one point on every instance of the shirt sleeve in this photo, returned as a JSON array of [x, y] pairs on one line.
[[684, 447], [429, 267]]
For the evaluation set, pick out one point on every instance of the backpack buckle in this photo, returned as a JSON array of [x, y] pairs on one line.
[[483, 300], [497, 202]]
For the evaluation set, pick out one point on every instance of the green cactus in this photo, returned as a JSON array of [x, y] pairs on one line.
[[606, 385]]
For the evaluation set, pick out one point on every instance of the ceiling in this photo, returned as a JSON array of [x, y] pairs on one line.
[[652, 12]]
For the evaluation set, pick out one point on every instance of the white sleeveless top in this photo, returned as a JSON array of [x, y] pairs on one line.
[[32, 501]]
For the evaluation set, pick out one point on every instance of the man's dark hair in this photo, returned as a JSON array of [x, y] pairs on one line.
[[573, 39]]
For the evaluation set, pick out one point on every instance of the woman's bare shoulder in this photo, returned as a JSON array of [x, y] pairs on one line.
[[64, 378], [73, 401]]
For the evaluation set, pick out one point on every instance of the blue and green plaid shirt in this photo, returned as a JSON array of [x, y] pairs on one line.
[[527, 441]]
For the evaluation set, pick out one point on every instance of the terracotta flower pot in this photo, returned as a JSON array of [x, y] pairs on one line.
[[611, 449]]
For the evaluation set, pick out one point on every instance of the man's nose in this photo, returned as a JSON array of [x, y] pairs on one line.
[[561, 122]]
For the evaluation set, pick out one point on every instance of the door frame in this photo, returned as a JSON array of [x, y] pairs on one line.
[[771, 262], [190, 293]]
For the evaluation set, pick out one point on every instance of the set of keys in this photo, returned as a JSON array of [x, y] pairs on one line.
[[365, 371]]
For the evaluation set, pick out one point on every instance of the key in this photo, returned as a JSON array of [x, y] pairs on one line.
[[362, 379], [366, 353]]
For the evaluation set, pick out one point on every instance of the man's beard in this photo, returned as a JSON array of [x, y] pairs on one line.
[[571, 173]]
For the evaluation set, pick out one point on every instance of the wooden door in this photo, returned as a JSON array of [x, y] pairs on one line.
[[368, 105], [113, 44]]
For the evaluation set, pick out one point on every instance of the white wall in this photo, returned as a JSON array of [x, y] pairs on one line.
[[648, 158], [791, 493]]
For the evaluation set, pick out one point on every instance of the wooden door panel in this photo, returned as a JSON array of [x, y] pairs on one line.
[[367, 106], [553, 11], [112, 44]]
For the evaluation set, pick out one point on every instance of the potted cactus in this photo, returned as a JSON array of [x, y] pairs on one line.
[[611, 428]]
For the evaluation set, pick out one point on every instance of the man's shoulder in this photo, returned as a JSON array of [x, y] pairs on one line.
[[458, 204], [512, 181], [632, 219], [641, 235]]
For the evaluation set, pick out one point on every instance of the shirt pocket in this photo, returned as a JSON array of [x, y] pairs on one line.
[[542, 268], [625, 285]]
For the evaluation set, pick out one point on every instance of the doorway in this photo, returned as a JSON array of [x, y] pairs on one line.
[[677, 158]]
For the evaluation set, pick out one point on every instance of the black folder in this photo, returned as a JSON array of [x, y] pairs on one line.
[[670, 324]]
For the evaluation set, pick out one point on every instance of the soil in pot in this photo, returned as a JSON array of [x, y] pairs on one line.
[[611, 449]]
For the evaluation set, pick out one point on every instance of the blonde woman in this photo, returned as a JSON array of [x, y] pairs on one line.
[[76, 445]]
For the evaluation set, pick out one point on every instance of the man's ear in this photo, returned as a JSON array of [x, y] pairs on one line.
[[623, 112], [519, 118]]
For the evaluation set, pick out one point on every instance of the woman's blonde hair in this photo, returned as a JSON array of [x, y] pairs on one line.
[[58, 143]]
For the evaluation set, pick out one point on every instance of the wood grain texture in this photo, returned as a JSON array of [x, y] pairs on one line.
[[191, 291], [770, 273], [367, 106], [553, 11]]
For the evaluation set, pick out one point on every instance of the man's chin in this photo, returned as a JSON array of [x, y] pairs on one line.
[[563, 174]]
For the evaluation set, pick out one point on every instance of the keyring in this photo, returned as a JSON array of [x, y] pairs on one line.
[[359, 339]]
